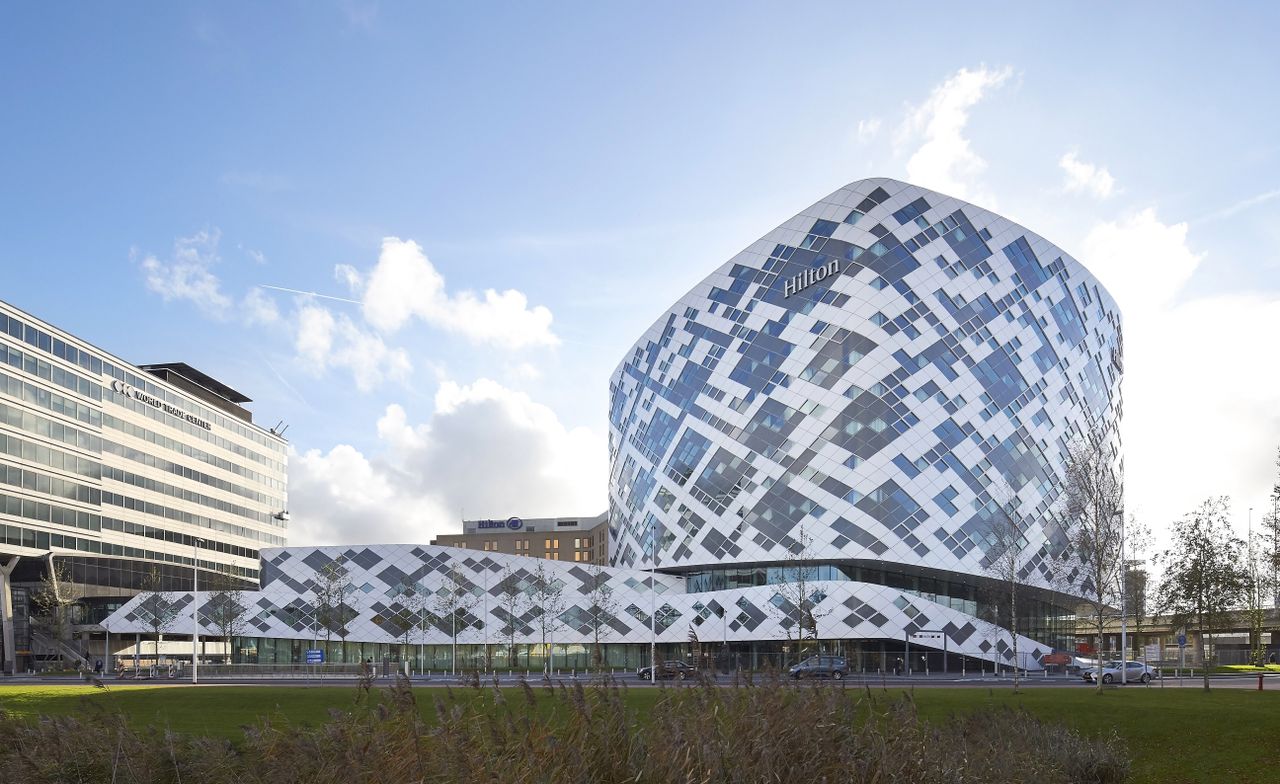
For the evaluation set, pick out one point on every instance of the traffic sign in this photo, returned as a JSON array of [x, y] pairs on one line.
[[315, 656], [1182, 640]]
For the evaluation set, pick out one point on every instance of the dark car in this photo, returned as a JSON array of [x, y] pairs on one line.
[[669, 669], [834, 667]]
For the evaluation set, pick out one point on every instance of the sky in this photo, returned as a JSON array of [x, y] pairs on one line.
[[422, 236]]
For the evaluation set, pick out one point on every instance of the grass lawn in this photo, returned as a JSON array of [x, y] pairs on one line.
[[1174, 735]]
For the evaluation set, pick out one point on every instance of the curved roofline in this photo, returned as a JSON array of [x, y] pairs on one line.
[[854, 186]]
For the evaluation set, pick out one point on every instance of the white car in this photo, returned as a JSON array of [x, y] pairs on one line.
[[1134, 672]]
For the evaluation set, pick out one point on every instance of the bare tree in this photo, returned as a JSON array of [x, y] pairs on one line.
[[330, 585], [1254, 614], [1205, 574], [414, 599], [1007, 560], [547, 595], [512, 598], [452, 603], [225, 609], [1137, 583], [155, 609], [403, 616], [601, 607], [55, 602], [1093, 499], [796, 601]]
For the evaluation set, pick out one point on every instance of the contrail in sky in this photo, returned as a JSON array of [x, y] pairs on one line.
[[311, 294]]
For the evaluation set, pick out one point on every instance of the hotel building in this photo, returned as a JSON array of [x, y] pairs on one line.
[[811, 448]]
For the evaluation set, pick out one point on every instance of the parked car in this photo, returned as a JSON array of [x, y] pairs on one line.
[[1134, 672], [834, 667], [669, 669]]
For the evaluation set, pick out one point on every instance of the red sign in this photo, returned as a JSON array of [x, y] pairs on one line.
[[1056, 658]]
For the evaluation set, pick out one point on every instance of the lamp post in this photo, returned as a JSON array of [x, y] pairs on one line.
[[195, 609]]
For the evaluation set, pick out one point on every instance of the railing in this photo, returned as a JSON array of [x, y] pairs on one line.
[[44, 644]]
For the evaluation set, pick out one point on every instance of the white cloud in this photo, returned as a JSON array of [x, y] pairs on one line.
[[257, 256], [404, 285], [487, 451], [1202, 408], [341, 497], [350, 276], [868, 129], [185, 274], [1143, 262], [259, 308], [1086, 177], [324, 341], [944, 160]]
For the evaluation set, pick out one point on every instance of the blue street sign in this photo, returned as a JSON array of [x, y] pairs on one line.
[[1182, 640], [315, 656]]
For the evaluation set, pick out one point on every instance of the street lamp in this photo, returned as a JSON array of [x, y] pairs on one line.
[[195, 609]]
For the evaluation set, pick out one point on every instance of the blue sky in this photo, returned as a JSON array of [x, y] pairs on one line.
[[589, 163]]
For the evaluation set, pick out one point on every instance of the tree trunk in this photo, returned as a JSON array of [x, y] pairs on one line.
[[1013, 627], [1205, 657], [1098, 654]]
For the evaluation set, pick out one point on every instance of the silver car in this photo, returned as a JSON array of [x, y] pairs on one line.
[[1134, 672]]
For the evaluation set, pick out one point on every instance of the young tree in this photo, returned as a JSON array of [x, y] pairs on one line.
[[547, 594], [601, 607], [414, 600], [796, 600], [1205, 574], [54, 602], [155, 609], [1138, 543], [1093, 498], [452, 603], [512, 598], [1255, 545], [1007, 556], [330, 585], [225, 609], [403, 616]]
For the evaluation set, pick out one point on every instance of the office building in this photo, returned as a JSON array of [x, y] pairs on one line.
[[111, 471]]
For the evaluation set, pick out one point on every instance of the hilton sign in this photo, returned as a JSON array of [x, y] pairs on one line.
[[511, 524]]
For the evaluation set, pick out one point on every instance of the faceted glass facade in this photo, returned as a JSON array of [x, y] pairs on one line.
[[880, 373]]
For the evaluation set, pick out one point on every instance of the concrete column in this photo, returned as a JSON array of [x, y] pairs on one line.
[[6, 616]]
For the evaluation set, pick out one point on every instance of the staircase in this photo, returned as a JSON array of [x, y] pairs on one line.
[[42, 645]]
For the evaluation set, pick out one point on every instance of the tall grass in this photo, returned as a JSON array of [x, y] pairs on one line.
[[749, 732]]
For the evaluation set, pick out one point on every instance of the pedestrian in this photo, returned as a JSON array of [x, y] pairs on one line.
[[97, 668], [897, 666]]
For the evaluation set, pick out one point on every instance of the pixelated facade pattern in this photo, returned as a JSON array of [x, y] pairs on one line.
[[379, 578], [881, 372]]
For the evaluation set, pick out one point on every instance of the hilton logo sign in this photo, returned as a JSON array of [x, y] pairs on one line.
[[121, 388], [805, 279], [510, 524]]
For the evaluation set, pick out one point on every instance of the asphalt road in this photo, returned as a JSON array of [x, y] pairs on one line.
[[951, 680]]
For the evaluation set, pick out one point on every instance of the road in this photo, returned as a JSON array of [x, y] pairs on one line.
[[951, 680]]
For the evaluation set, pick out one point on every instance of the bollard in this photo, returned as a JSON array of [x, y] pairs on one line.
[[1259, 681]]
